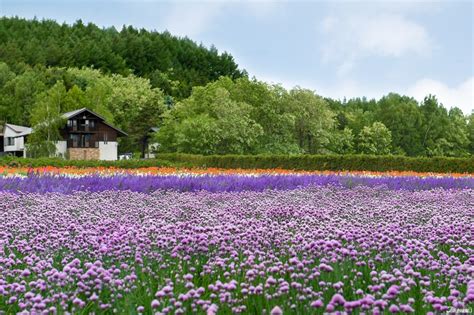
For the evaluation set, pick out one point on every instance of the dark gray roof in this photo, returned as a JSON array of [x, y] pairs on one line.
[[81, 110], [74, 113]]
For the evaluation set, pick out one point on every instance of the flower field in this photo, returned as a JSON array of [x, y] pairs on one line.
[[222, 242]]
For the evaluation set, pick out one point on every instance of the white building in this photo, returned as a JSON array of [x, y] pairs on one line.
[[14, 139]]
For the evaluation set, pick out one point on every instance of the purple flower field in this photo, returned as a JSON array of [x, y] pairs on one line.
[[219, 183], [296, 249]]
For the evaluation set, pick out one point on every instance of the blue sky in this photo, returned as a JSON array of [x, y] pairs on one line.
[[338, 48]]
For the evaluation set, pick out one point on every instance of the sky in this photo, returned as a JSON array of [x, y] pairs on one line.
[[336, 48]]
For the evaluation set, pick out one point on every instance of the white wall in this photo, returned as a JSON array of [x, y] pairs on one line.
[[61, 148], [152, 147], [19, 142], [108, 150]]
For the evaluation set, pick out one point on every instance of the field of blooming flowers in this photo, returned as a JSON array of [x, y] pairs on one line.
[[220, 242]]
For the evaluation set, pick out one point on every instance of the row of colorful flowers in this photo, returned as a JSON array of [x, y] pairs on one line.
[[9, 171], [48, 182]]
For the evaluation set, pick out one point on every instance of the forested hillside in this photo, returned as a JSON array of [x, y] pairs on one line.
[[172, 64], [200, 99]]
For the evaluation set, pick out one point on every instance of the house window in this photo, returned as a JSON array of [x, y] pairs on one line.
[[10, 141], [86, 140], [80, 141], [86, 125], [74, 140], [106, 137]]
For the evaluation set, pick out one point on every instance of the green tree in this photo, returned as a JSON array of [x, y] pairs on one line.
[[6, 75], [226, 125], [198, 135], [455, 141], [435, 126], [136, 107], [402, 116], [46, 121], [342, 141], [19, 96], [314, 121], [75, 99], [96, 88], [375, 139], [470, 132], [269, 109]]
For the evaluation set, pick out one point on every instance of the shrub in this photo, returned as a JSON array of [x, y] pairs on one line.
[[56, 162], [327, 162], [291, 162]]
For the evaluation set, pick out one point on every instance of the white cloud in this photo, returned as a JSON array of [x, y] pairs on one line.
[[344, 88], [191, 18], [263, 9], [461, 96], [351, 37]]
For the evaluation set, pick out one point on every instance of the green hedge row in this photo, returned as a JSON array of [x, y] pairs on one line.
[[290, 162], [40, 162], [327, 162]]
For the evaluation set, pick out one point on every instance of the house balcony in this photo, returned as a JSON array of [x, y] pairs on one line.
[[82, 144], [81, 129]]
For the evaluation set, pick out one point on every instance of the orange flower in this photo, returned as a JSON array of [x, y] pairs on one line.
[[203, 171]]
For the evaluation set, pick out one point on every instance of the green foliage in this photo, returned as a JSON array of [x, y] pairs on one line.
[[470, 134], [58, 162], [375, 139], [209, 122], [46, 121], [326, 162], [18, 94], [173, 64], [245, 117], [342, 141], [314, 121], [269, 109], [400, 114], [306, 162], [201, 101]]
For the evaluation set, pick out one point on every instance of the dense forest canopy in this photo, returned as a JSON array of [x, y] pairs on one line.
[[201, 101], [172, 64]]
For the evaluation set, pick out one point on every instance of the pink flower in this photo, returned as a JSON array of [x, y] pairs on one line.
[[276, 311], [324, 267], [155, 304], [93, 297], [337, 299], [78, 302], [25, 273], [394, 309], [212, 310]]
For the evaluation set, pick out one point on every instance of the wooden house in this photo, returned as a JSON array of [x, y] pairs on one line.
[[85, 136]]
